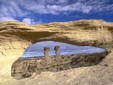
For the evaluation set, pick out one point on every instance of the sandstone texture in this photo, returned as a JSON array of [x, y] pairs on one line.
[[25, 67], [16, 36]]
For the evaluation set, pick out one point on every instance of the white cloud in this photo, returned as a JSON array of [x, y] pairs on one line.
[[10, 9], [27, 20], [56, 7], [70, 8], [31, 21]]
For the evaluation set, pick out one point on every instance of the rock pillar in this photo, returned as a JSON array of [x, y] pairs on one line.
[[46, 54], [57, 53]]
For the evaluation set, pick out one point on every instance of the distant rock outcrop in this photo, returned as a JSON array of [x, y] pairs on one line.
[[15, 36]]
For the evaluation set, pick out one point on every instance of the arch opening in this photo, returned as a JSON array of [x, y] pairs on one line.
[[55, 56], [36, 50]]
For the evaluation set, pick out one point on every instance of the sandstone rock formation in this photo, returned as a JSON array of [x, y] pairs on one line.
[[15, 36], [25, 67]]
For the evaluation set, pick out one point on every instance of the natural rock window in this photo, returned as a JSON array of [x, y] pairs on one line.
[[55, 56], [36, 50]]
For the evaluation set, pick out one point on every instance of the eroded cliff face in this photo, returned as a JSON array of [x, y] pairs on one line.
[[16, 36]]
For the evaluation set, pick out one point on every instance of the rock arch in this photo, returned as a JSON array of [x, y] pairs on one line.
[[16, 36]]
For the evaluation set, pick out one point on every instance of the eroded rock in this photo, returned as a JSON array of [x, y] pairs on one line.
[[16, 36], [25, 67]]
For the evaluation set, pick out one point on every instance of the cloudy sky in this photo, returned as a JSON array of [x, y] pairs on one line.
[[45, 11]]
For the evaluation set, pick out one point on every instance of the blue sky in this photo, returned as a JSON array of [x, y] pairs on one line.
[[45, 11]]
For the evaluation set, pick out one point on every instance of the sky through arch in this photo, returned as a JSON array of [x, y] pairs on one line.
[[36, 50]]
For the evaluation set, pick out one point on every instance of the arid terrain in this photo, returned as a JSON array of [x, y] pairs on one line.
[[16, 36]]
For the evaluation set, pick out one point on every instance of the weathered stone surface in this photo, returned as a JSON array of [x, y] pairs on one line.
[[25, 67], [16, 36]]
